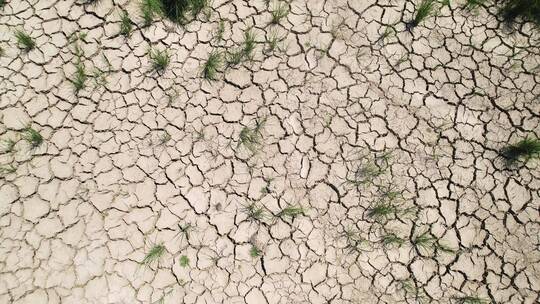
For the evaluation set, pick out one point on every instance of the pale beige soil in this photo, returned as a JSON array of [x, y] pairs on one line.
[[430, 109]]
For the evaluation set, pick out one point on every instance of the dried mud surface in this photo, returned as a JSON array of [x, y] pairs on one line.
[[344, 116]]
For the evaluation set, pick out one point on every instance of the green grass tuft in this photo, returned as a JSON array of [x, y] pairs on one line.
[[254, 251], [254, 212], [2, 3], [32, 137], [524, 150], [212, 65], [291, 212], [251, 138], [521, 11], [382, 211], [8, 145], [424, 10], [125, 24], [425, 241], [181, 11], [473, 4], [79, 77], [184, 261], [160, 59], [154, 255], [470, 300], [7, 169], [24, 40], [245, 51], [279, 12], [149, 10], [392, 239], [220, 31]]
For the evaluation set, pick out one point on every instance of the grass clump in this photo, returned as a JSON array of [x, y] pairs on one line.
[[391, 239], [2, 3], [424, 241], [251, 138], [254, 212], [279, 12], [7, 169], [520, 11], [220, 31], [423, 11], [524, 150], [125, 24], [354, 240], [184, 261], [181, 11], [273, 43], [160, 59], [33, 137], [8, 145], [245, 51], [79, 77], [254, 251], [154, 255], [470, 300], [24, 40], [382, 211], [150, 9], [473, 4], [211, 66], [291, 212]]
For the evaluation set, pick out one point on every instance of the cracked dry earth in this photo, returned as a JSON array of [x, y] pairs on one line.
[[343, 117]]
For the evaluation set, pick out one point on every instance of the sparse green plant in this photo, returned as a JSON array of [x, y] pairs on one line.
[[184, 261], [473, 4], [7, 169], [424, 10], [184, 231], [254, 212], [181, 11], [291, 212], [245, 51], [279, 12], [125, 24], [154, 255], [524, 150], [150, 9], [2, 3], [254, 251], [2, 50], [212, 65], [33, 137], [25, 41], [164, 138], [220, 31], [520, 11], [369, 169], [382, 211], [251, 138], [273, 42], [8, 145], [160, 59], [391, 239], [443, 247], [411, 291], [354, 240], [424, 241], [470, 300], [79, 77]]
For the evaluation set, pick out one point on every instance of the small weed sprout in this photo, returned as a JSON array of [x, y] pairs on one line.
[[524, 150], [160, 59], [254, 212], [424, 241], [220, 31], [184, 261], [24, 40], [382, 211], [254, 251], [149, 9], [469, 300], [7, 169], [2, 50], [125, 24], [354, 240], [291, 212], [164, 138], [391, 240], [423, 11], [273, 43], [279, 12], [154, 255], [8, 145], [244, 52], [33, 137], [212, 65], [251, 138], [79, 77], [368, 170]]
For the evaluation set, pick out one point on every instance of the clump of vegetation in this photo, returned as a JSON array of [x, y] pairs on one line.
[[220, 31], [2, 51], [354, 240], [33, 137], [184, 231], [154, 255], [184, 261], [79, 77], [212, 65], [279, 12], [254, 251], [245, 51], [273, 42], [473, 4], [470, 300], [369, 169], [382, 211], [424, 10], [2, 3], [125, 24], [160, 59], [391, 239], [521, 10], [8, 145], [424, 241], [150, 9], [181, 11], [291, 212], [254, 212], [251, 138], [24, 40], [7, 169], [524, 150]]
